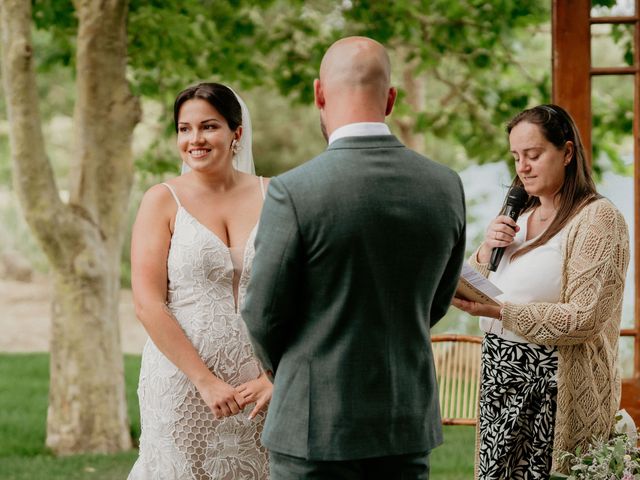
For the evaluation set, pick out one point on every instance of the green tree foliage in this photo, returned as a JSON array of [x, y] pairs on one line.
[[612, 103], [480, 63], [467, 53], [171, 42], [464, 51]]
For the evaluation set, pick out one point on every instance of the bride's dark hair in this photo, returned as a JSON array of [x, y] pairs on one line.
[[218, 96]]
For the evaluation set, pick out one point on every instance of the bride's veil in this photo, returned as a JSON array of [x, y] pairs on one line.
[[243, 160]]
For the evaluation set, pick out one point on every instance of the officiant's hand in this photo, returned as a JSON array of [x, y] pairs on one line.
[[477, 309], [258, 391], [222, 398], [500, 233]]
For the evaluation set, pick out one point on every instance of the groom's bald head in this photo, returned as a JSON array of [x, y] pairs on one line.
[[354, 83], [356, 63]]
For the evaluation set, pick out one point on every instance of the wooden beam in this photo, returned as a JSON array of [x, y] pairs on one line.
[[617, 20], [636, 197], [630, 400], [571, 54], [614, 71], [631, 397]]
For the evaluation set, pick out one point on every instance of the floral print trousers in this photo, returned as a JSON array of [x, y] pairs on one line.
[[518, 391]]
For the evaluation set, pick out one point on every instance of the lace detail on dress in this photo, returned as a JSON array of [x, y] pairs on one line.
[[236, 254], [181, 439]]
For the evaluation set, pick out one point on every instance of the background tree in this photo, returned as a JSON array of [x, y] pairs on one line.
[[81, 238], [464, 69], [173, 44]]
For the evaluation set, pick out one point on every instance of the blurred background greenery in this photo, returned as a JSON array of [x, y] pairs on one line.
[[463, 70]]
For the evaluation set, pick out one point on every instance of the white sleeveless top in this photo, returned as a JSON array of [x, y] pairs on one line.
[[533, 277]]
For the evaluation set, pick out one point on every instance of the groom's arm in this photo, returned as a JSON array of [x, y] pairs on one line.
[[272, 297], [448, 283], [449, 280]]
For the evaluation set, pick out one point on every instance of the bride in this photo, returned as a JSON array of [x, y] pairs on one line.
[[202, 392]]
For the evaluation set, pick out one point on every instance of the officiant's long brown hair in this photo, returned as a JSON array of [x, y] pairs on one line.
[[578, 189]]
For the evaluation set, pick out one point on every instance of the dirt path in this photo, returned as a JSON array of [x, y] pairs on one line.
[[25, 324]]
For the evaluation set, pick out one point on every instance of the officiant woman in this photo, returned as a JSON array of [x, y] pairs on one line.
[[549, 379]]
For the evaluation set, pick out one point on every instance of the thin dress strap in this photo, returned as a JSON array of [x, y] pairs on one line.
[[262, 187], [173, 193]]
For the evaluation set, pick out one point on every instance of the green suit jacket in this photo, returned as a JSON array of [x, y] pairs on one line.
[[358, 254]]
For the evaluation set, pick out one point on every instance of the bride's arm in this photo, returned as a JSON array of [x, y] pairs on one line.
[[149, 251]]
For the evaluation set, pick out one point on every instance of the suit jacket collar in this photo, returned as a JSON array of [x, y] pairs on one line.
[[369, 141]]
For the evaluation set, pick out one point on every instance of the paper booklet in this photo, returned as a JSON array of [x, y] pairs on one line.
[[475, 287]]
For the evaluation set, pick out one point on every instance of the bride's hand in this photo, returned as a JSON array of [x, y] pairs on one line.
[[222, 398], [258, 391]]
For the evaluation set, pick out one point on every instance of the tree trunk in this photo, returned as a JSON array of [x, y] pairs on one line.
[[413, 86], [82, 239], [87, 408]]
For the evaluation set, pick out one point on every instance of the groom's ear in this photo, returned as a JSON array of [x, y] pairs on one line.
[[318, 94], [391, 100]]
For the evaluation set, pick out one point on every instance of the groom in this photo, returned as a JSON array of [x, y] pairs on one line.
[[357, 256]]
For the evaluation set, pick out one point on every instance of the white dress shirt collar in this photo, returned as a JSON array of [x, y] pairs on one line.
[[361, 129]]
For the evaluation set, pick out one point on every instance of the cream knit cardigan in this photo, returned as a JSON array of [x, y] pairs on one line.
[[584, 325]]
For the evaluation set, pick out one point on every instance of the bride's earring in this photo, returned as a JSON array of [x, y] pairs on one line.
[[235, 146]]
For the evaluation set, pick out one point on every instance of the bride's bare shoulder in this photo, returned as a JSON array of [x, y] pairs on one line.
[[160, 200]]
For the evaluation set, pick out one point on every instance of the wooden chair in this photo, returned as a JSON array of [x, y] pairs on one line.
[[457, 361]]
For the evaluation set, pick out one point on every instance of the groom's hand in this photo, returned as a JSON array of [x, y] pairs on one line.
[[222, 398]]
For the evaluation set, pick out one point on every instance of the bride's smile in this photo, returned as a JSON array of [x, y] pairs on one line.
[[204, 137]]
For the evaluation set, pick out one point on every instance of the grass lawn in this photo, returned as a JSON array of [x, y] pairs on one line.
[[23, 407]]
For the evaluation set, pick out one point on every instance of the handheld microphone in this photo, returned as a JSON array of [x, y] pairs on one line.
[[516, 200]]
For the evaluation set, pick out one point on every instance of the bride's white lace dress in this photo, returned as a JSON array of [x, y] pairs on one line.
[[181, 439]]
